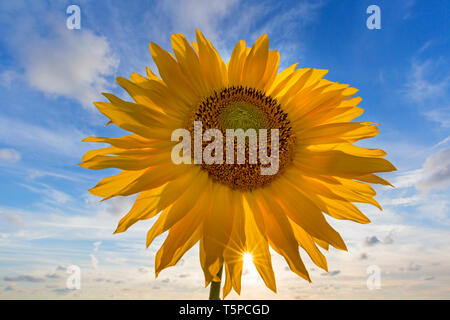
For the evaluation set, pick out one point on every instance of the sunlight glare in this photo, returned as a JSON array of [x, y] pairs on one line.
[[248, 259]]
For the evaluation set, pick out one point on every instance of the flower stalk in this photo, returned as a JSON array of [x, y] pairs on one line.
[[214, 290]]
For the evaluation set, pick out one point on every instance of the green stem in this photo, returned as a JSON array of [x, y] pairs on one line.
[[214, 290]]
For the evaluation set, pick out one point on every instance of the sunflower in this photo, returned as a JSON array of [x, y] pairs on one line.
[[232, 209]]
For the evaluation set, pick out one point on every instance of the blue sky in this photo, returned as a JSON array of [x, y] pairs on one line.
[[49, 77]]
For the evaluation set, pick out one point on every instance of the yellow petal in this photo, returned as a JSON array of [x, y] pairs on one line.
[[279, 90], [305, 79], [179, 209], [112, 185], [133, 117], [338, 209], [211, 272], [125, 163], [214, 69], [217, 225], [182, 236], [334, 200], [302, 211], [131, 141], [271, 71], [175, 188], [258, 247], [149, 95], [338, 132], [255, 63], [172, 75], [280, 235], [233, 253], [321, 96], [151, 75], [343, 114], [307, 243], [338, 163], [227, 285], [372, 178], [324, 245], [145, 207], [93, 153], [189, 64], [349, 149], [236, 64], [130, 182], [281, 77], [334, 115]]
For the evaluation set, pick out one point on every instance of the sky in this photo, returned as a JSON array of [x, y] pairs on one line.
[[50, 75]]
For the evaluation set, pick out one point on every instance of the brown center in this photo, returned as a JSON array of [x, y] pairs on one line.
[[244, 108]]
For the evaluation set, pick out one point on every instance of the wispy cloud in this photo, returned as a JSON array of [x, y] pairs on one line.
[[9, 155], [50, 194], [428, 87], [65, 141], [440, 115], [426, 82], [207, 15], [23, 278], [11, 218]]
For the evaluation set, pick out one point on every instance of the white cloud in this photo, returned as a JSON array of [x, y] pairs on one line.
[[71, 64], [53, 59], [436, 171], [9, 155]]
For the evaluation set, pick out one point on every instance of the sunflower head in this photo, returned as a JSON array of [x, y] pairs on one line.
[[289, 163]]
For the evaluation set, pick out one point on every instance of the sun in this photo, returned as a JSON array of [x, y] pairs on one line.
[[248, 266], [248, 259]]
